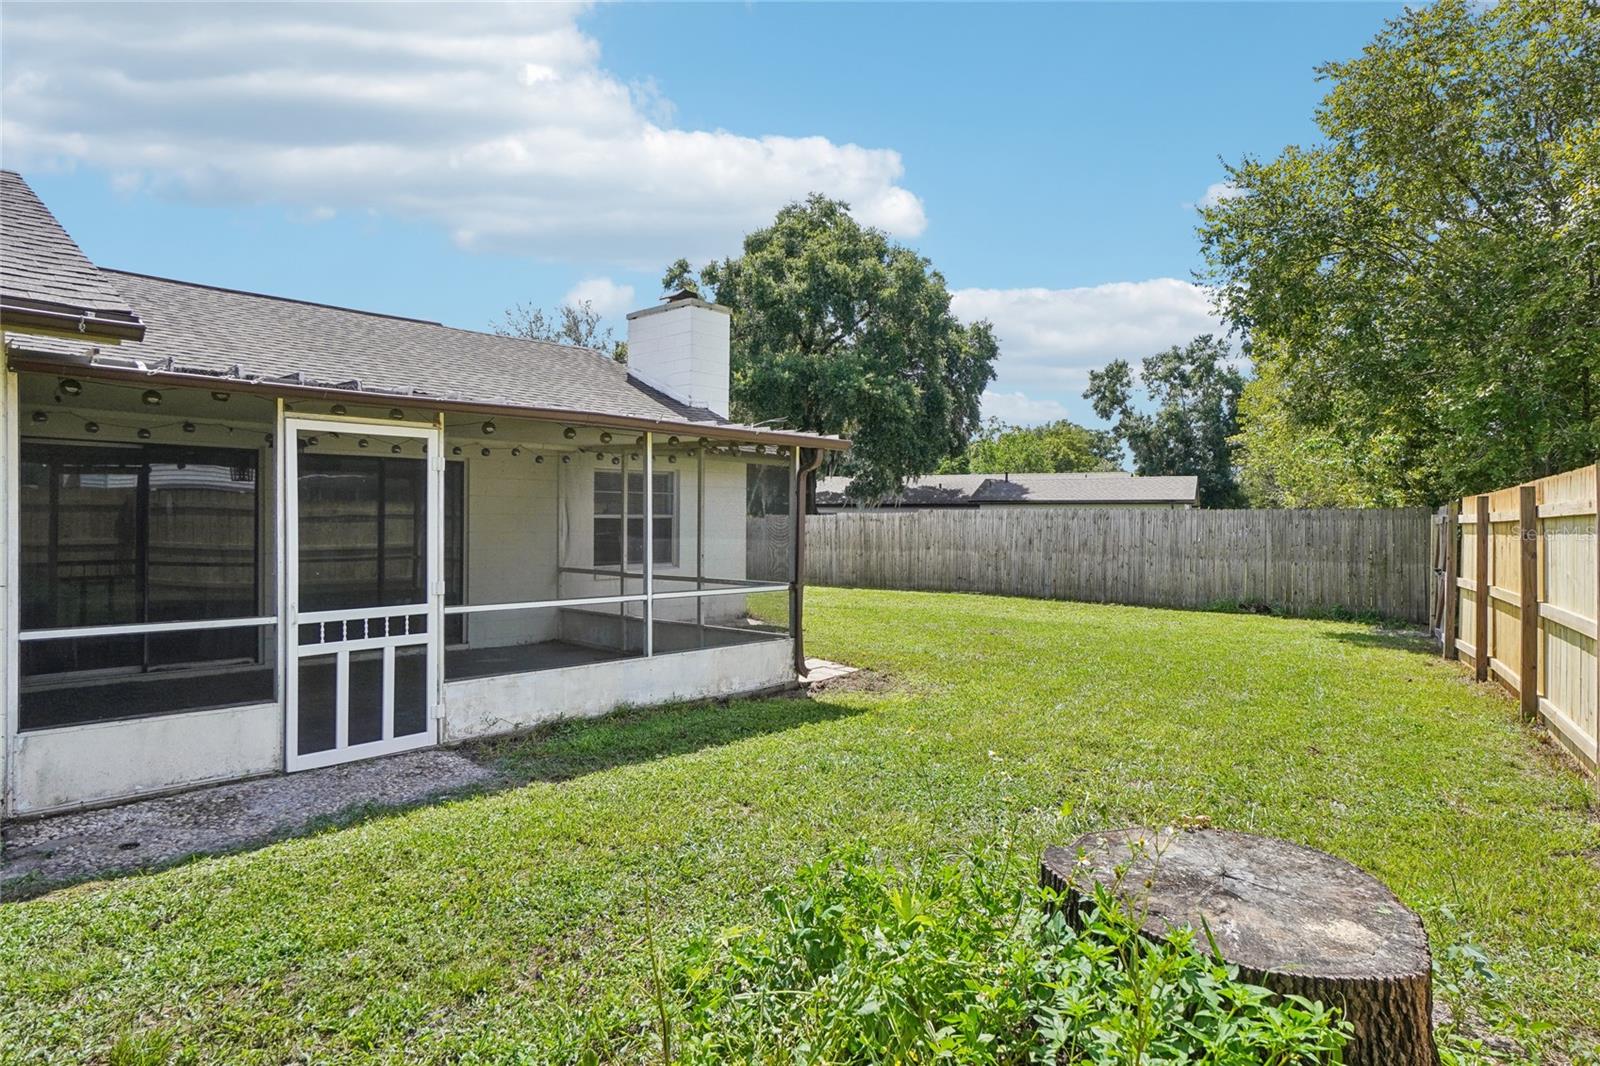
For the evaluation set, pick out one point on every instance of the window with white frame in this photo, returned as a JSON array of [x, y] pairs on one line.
[[610, 509]]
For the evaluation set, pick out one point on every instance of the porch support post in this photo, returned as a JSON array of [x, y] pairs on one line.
[[797, 598], [700, 543], [10, 616], [649, 542]]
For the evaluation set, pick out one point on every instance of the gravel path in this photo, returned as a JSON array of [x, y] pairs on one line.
[[156, 832]]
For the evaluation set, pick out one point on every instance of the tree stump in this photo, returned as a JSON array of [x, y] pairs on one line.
[[1292, 919]]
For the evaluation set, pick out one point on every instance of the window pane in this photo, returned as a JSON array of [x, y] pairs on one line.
[[607, 493], [635, 538], [663, 539], [607, 541]]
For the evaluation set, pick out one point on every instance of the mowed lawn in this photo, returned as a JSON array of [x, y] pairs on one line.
[[509, 926]]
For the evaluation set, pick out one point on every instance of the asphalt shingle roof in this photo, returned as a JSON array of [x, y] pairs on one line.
[[968, 490], [45, 279]]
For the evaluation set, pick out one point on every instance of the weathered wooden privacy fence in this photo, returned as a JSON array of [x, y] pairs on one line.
[[1524, 566], [1298, 561]]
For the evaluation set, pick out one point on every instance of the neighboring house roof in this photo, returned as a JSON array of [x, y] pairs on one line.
[[971, 490], [46, 282], [291, 347]]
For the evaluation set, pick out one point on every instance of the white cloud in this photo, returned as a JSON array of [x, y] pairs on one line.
[[604, 295], [1217, 192], [497, 122], [1017, 409], [1051, 338]]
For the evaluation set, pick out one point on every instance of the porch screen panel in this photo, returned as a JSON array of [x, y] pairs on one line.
[[136, 534], [80, 553], [202, 546], [363, 529]]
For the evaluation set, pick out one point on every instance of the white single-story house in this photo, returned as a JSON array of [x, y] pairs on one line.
[[248, 535], [1114, 488]]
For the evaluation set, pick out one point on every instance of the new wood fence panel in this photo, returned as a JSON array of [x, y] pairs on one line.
[[1299, 561], [1543, 567]]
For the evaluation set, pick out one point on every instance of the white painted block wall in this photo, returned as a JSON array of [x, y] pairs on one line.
[[485, 706], [682, 349]]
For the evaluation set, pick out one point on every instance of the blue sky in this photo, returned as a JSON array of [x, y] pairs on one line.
[[445, 163]]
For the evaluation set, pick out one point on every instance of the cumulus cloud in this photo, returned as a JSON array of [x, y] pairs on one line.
[[1018, 409], [604, 295], [1217, 192], [1051, 338], [497, 122]]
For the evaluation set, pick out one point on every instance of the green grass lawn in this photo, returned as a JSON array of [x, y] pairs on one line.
[[508, 926]]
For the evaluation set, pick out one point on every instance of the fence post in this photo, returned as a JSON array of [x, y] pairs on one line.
[[1596, 617], [1480, 598], [1452, 552], [1528, 596]]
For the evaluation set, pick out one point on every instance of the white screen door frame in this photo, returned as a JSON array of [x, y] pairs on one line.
[[388, 630]]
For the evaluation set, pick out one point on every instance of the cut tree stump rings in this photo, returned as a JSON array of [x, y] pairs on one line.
[[1292, 919]]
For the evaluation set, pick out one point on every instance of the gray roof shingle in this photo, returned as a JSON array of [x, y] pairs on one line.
[[969, 490], [45, 279], [199, 329]]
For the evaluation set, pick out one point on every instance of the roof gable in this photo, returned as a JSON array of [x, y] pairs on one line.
[[46, 282]]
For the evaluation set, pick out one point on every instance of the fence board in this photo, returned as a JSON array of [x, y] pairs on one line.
[[1302, 562]]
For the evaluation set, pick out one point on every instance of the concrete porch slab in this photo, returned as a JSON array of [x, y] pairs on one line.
[[145, 834], [820, 670]]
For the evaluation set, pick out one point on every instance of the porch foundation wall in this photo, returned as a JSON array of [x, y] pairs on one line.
[[487, 706], [102, 762]]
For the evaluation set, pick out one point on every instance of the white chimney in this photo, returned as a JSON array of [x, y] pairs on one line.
[[681, 348]]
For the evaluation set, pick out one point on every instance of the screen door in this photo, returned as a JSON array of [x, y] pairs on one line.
[[363, 596]]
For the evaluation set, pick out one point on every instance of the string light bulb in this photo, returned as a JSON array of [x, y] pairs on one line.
[[488, 428], [570, 433], [338, 409], [189, 427], [150, 398]]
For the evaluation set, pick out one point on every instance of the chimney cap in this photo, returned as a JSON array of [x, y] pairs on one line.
[[680, 295]]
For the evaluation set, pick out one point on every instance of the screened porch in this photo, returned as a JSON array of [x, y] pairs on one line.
[[174, 559]]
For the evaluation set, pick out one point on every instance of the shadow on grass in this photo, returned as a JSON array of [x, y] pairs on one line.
[[1411, 640], [569, 749], [558, 752]]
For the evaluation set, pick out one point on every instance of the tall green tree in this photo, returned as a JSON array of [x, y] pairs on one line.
[[1421, 290], [1194, 391], [836, 329], [1058, 447]]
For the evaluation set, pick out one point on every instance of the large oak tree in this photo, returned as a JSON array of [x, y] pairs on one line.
[[836, 329]]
